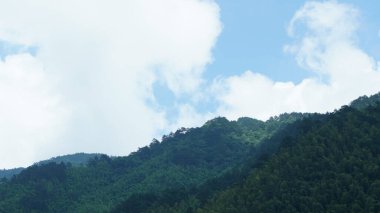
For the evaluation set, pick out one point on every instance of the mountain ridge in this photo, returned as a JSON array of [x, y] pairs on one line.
[[195, 169], [76, 159]]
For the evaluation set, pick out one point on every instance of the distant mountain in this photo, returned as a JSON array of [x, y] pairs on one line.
[[290, 163], [365, 101], [182, 160], [78, 159], [8, 173]]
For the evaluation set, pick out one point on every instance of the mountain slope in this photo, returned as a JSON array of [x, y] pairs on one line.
[[78, 159], [183, 160], [8, 173], [324, 163], [292, 162], [332, 167], [186, 200], [365, 101]]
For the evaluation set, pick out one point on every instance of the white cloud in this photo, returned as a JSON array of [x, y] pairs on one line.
[[325, 35], [190, 117], [88, 86], [31, 114], [97, 62]]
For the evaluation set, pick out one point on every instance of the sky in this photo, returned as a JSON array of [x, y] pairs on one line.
[[109, 76]]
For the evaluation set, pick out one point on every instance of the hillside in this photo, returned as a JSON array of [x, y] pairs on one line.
[[331, 167], [293, 162], [182, 160], [329, 164], [78, 159], [8, 173]]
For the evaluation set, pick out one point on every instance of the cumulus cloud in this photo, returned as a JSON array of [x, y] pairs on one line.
[[91, 78], [89, 84], [190, 117], [31, 113], [325, 43]]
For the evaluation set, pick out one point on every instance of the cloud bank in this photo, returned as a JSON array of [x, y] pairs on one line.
[[324, 36], [89, 85], [31, 114]]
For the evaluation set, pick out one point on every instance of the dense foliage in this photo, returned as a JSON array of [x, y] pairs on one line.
[[325, 163], [188, 200], [182, 161], [329, 164], [365, 101], [290, 163], [332, 167], [8, 173], [78, 159]]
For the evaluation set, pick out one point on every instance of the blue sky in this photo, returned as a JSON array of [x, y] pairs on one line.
[[254, 34], [109, 76], [7, 48], [253, 38]]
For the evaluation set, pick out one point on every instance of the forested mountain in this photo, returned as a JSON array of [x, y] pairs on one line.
[[365, 101], [182, 160], [78, 159], [8, 173], [324, 163], [290, 163], [331, 166]]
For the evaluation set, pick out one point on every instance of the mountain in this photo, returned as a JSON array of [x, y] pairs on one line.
[[325, 163], [182, 160], [292, 163], [8, 173], [365, 101], [331, 166], [78, 159]]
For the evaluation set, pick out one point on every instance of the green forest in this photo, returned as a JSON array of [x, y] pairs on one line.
[[290, 163]]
